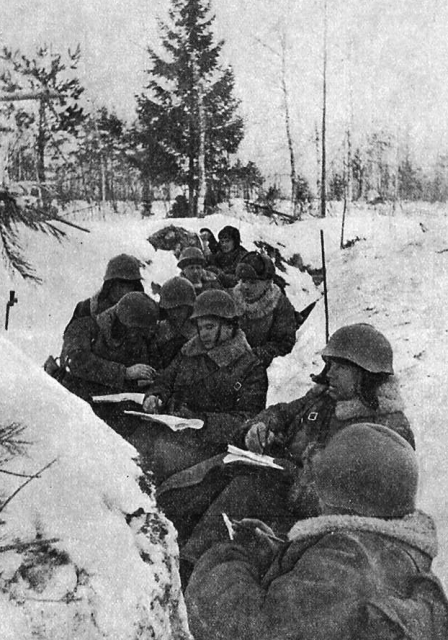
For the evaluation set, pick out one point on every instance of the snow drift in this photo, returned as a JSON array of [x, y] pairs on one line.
[[104, 560]]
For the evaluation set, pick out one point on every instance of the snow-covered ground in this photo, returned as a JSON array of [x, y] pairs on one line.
[[394, 276]]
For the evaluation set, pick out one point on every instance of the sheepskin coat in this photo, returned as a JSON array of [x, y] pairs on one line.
[[269, 323], [339, 577]]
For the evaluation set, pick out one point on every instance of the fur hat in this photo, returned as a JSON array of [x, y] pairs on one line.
[[369, 470], [232, 233], [255, 266]]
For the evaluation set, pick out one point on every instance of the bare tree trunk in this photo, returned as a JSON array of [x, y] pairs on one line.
[[41, 142], [201, 156], [323, 195], [318, 157], [201, 128], [191, 190], [288, 129]]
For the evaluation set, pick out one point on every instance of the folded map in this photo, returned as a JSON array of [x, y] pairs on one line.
[[173, 422], [235, 454]]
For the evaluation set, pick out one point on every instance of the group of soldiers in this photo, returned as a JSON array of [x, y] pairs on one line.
[[322, 539]]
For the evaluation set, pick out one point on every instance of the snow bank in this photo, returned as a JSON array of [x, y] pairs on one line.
[[107, 574]]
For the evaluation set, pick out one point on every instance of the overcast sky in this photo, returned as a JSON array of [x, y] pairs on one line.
[[387, 63]]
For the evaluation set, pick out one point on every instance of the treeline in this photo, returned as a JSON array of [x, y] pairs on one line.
[[184, 140], [384, 169]]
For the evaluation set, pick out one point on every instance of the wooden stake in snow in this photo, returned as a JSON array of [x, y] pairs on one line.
[[324, 274], [11, 302]]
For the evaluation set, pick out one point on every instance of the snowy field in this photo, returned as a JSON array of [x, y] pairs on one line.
[[395, 277]]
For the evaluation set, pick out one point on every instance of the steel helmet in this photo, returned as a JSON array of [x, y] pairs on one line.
[[255, 266], [214, 302], [136, 309], [362, 345], [177, 292], [123, 267], [191, 255]]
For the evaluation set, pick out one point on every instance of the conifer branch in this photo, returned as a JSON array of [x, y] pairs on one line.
[[22, 486]]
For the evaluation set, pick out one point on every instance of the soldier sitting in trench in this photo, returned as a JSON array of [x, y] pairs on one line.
[[177, 297], [266, 315], [122, 276], [215, 377], [192, 266], [361, 570], [111, 352]]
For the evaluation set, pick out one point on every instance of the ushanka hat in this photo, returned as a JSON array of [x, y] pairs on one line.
[[255, 266]]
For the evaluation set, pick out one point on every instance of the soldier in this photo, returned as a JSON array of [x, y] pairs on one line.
[[266, 315], [360, 570], [177, 298], [226, 259], [192, 263], [359, 386], [215, 377], [122, 276], [110, 352]]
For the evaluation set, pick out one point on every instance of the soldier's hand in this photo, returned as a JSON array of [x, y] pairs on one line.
[[140, 372], [258, 438], [152, 404], [258, 539]]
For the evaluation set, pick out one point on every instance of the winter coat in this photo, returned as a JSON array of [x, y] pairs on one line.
[[168, 341], [338, 577], [269, 323], [96, 362], [226, 264], [313, 419], [223, 386], [301, 427]]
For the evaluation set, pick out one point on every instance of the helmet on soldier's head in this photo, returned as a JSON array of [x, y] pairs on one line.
[[136, 309], [189, 256], [369, 470], [123, 267], [362, 345], [255, 266], [214, 302], [177, 292]]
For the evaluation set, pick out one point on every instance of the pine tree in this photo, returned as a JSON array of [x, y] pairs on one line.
[[59, 117], [190, 102]]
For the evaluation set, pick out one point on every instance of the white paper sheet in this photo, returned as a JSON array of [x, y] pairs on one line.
[[235, 454], [120, 397], [173, 422]]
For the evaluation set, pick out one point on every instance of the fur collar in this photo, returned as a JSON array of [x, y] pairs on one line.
[[261, 307], [224, 354], [416, 529], [389, 398]]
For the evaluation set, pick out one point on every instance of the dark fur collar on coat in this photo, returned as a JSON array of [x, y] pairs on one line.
[[224, 354], [261, 307], [389, 398], [416, 529]]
